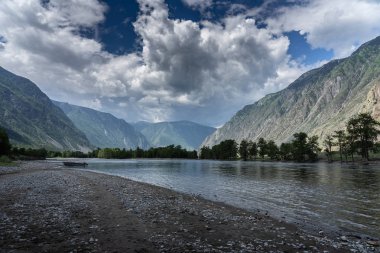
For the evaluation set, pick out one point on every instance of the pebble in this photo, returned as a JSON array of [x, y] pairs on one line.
[[159, 210]]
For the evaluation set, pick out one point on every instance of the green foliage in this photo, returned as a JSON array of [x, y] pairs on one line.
[[206, 153], [262, 145], [5, 160], [243, 150], [299, 145], [170, 151], [302, 148], [29, 153], [341, 141], [286, 151], [312, 148], [5, 146], [272, 150], [305, 148], [226, 150], [363, 130], [328, 143], [252, 149]]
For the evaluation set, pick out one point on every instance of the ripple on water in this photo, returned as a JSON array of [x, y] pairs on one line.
[[340, 197]]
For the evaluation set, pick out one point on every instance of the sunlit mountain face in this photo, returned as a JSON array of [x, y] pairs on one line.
[[157, 60]]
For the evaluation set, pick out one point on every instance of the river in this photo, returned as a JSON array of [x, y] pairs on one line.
[[335, 197]]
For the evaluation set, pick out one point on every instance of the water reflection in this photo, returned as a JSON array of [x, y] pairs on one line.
[[334, 196]]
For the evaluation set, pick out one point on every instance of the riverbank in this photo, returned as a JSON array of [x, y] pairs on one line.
[[47, 208]]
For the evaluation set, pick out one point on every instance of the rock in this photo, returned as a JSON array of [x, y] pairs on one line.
[[373, 243]]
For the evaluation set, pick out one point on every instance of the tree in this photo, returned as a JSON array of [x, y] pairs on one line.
[[243, 150], [299, 146], [5, 146], [205, 153], [349, 147], [303, 146], [228, 150], [262, 145], [252, 148], [364, 130], [328, 143], [272, 150], [312, 148], [286, 150], [340, 140]]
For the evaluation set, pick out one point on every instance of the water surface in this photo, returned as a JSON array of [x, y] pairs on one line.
[[331, 197]]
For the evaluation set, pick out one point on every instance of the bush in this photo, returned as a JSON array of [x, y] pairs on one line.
[[5, 159], [5, 146]]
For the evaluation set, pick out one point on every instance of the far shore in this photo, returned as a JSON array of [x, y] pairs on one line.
[[45, 207]]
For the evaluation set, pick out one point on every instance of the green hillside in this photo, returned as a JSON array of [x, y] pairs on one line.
[[32, 120]]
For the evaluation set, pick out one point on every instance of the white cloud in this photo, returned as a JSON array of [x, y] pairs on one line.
[[331, 24], [186, 70], [198, 4]]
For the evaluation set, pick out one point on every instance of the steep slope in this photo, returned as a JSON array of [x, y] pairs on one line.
[[103, 129], [318, 103], [185, 133], [32, 120]]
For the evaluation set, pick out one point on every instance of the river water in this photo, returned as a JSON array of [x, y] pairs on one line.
[[330, 197]]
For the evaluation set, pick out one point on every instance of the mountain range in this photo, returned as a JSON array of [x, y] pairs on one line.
[[185, 133], [103, 129], [318, 103], [32, 120]]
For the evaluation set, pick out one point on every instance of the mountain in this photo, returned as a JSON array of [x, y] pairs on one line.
[[185, 133], [32, 120], [318, 103], [103, 129]]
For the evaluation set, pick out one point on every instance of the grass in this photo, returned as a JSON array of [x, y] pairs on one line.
[[6, 161], [357, 157]]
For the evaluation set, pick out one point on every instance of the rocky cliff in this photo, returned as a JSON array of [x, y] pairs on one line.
[[318, 103]]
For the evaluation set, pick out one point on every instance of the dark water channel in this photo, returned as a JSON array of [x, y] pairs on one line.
[[331, 197]]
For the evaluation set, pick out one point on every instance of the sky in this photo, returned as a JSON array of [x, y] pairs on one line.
[[167, 60]]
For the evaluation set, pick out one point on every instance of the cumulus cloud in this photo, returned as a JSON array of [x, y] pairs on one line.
[[186, 70], [335, 25], [198, 4]]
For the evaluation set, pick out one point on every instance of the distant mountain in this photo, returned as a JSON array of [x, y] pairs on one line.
[[185, 133], [103, 129], [318, 103], [32, 120]]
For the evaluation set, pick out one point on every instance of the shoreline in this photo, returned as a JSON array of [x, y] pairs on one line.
[[89, 211]]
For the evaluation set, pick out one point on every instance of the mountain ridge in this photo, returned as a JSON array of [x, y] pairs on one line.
[[186, 133], [32, 120], [103, 129], [318, 102]]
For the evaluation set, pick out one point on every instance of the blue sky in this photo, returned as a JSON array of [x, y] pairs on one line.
[[166, 60], [118, 36]]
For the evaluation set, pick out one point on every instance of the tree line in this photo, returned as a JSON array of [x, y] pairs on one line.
[[170, 151], [359, 137], [302, 148]]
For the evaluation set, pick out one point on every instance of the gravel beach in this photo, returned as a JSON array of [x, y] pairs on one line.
[[45, 207]]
